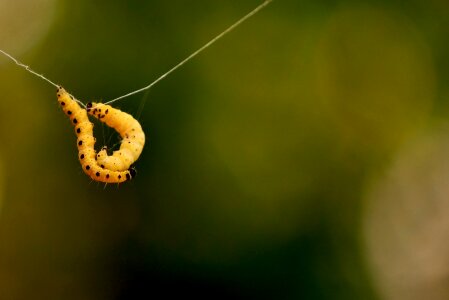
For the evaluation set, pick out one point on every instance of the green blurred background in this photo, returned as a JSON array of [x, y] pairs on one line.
[[304, 156]]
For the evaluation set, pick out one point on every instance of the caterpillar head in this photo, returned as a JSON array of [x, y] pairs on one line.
[[95, 109]]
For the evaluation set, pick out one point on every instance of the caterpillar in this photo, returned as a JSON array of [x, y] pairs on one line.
[[86, 141], [133, 137]]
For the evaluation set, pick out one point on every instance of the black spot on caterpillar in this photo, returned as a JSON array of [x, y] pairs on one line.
[[131, 145], [86, 142]]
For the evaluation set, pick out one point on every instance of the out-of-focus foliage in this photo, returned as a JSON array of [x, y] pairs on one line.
[[407, 224], [297, 158]]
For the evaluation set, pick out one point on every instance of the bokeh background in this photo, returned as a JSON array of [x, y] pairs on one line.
[[304, 156]]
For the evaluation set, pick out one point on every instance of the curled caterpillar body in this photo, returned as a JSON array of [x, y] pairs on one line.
[[133, 137], [86, 141]]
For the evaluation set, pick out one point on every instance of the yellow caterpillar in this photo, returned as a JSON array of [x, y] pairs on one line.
[[86, 142], [133, 138]]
